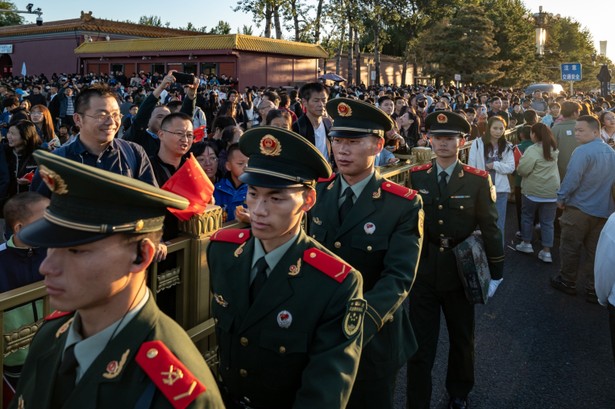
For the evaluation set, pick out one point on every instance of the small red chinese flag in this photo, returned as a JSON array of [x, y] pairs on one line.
[[517, 155], [199, 134], [191, 182]]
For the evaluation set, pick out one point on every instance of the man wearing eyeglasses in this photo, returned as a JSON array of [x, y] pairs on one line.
[[97, 113]]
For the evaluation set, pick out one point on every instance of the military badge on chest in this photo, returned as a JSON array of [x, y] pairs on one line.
[[284, 319]]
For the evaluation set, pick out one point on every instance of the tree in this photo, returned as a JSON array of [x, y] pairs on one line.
[[222, 28], [155, 21], [263, 10], [9, 19], [463, 45]]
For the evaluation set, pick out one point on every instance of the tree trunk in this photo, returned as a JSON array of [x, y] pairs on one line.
[[317, 22], [293, 8], [350, 57], [268, 16], [276, 20], [338, 57], [357, 52], [377, 50], [404, 69]]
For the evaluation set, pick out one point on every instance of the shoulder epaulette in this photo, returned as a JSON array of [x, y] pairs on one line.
[[399, 190], [329, 179], [237, 236], [169, 375], [331, 266], [421, 167], [57, 314], [474, 171]]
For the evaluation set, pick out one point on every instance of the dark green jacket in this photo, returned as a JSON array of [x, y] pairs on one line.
[[94, 390], [469, 205], [311, 364], [387, 258]]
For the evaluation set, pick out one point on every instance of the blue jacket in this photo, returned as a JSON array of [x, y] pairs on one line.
[[121, 157], [228, 198]]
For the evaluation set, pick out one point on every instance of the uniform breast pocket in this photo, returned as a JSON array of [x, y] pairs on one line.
[[370, 243], [285, 359], [461, 204]]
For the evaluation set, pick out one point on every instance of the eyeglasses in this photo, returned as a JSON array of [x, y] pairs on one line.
[[103, 117], [180, 135]]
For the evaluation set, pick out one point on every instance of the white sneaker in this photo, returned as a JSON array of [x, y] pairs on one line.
[[545, 256], [525, 247]]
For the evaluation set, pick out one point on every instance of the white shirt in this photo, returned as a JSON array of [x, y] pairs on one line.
[[604, 265], [320, 140]]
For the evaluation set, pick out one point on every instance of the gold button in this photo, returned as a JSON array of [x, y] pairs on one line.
[[461, 207], [241, 235], [215, 320], [441, 234], [243, 373], [312, 255], [440, 207], [440, 221], [313, 236], [337, 244], [369, 248], [243, 341], [282, 349], [152, 353], [441, 249]]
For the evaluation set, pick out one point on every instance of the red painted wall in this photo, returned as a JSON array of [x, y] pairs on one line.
[[44, 55]]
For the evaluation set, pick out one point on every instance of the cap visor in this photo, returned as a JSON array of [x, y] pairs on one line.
[[43, 233], [443, 132], [350, 134]]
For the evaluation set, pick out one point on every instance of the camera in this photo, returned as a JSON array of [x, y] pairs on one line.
[[183, 78], [39, 21]]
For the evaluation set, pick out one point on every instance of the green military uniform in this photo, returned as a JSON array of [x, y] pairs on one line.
[[468, 203], [298, 343], [143, 359], [115, 379], [381, 235]]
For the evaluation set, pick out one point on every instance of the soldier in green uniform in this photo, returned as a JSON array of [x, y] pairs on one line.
[[289, 313], [375, 225], [457, 199], [112, 347]]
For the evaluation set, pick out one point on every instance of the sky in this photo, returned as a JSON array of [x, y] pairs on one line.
[[595, 15]]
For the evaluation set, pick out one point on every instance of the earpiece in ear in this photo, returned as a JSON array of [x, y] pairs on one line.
[[139, 257]]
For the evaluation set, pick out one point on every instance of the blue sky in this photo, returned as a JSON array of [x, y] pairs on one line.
[[593, 14]]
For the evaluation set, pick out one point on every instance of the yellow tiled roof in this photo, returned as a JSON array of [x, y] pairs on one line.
[[239, 42], [92, 24]]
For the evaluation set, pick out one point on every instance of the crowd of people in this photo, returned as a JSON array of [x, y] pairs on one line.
[[146, 127]]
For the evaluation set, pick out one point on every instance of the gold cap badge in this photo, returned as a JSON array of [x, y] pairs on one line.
[[343, 109], [442, 119], [270, 146], [53, 181]]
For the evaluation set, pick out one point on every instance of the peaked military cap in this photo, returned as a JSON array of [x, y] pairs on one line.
[[355, 119], [89, 204], [446, 123], [279, 158]]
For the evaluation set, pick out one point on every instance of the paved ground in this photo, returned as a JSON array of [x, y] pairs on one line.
[[536, 348]]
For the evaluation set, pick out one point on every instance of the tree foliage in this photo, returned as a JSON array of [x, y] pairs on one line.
[[9, 19], [154, 21], [464, 45]]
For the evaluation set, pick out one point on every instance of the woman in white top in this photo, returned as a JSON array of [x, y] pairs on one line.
[[494, 154], [607, 132]]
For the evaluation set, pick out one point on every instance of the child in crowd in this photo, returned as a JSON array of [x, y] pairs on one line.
[[19, 266], [230, 192]]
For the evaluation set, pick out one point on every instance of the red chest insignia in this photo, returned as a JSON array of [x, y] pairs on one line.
[[474, 171], [237, 236], [329, 179], [421, 167], [169, 375], [331, 266], [57, 314], [399, 190]]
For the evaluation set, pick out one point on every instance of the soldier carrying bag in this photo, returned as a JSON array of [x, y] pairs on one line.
[[473, 268]]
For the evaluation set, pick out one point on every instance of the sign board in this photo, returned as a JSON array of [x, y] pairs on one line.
[[457, 77], [571, 71], [373, 76], [6, 48]]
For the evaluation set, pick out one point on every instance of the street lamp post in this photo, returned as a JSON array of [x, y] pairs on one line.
[[541, 32], [29, 10]]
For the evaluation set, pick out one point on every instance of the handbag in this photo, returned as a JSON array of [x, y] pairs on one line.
[[473, 268]]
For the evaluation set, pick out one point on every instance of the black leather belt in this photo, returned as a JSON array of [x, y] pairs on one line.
[[445, 242]]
